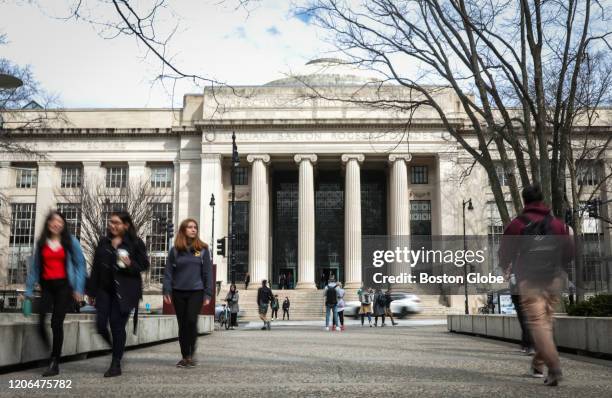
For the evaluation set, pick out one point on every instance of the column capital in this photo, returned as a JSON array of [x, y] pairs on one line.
[[210, 157], [305, 156], [400, 156], [258, 156], [348, 156]]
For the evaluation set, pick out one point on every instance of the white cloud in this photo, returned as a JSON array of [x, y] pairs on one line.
[[216, 40]]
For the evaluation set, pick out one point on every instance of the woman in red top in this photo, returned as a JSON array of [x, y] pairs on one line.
[[58, 266]]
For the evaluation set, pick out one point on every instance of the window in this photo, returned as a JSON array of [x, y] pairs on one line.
[[495, 230], [501, 175], [587, 172], [71, 177], [116, 176], [21, 240], [72, 213], [157, 240], [419, 175], [161, 177], [26, 177], [241, 176]]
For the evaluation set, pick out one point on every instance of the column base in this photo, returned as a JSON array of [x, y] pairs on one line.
[[352, 285], [305, 285]]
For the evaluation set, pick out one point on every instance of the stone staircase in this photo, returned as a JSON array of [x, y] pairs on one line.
[[310, 304]]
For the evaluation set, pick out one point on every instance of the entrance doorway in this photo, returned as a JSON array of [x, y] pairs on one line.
[[326, 274]]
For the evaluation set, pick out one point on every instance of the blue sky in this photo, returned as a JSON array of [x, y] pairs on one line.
[[213, 38]]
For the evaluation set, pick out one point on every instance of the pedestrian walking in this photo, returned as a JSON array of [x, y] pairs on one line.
[[275, 306], [232, 300], [115, 285], [538, 260], [331, 304], [286, 305], [341, 305], [188, 285], [58, 266], [379, 307], [264, 297], [388, 300], [365, 298], [282, 280], [247, 280]]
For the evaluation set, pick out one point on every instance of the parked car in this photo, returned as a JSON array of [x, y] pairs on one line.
[[403, 304]]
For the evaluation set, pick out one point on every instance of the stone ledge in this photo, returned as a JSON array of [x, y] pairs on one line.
[[20, 342], [584, 334]]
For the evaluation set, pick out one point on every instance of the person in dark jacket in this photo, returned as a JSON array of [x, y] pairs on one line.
[[264, 297], [286, 305], [539, 290], [115, 285], [232, 298], [379, 307], [388, 301], [247, 280], [188, 285], [58, 266], [274, 305]]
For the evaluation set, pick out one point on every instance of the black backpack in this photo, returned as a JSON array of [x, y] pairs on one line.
[[331, 296], [381, 300], [540, 250]]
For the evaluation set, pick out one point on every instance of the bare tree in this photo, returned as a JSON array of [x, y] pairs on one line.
[[94, 202], [515, 68]]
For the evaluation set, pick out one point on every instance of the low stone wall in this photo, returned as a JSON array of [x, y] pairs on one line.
[[592, 335], [20, 342]]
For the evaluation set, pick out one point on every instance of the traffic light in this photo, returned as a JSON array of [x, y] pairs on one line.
[[170, 230], [592, 207], [221, 247]]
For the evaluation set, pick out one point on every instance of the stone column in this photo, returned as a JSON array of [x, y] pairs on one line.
[[137, 174], [92, 174], [399, 206], [211, 183], [306, 222], [352, 220], [259, 220], [45, 196]]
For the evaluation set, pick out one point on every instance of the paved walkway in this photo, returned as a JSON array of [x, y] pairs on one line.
[[414, 359]]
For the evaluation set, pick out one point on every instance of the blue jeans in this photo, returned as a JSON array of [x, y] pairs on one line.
[[328, 308]]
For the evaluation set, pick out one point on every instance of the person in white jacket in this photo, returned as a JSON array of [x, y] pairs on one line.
[[340, 305]]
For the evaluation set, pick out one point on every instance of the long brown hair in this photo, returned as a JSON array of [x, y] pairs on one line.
[[180, 242]]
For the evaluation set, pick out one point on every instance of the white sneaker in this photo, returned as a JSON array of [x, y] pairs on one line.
[[338, 329], [533, 372], [327, 328]]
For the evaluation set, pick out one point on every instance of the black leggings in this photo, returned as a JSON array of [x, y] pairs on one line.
[[56, 296], [340, 318], [285, 311], [187, 304], [109, 311], [274, 313]]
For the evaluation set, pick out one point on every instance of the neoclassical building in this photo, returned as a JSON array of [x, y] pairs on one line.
[[315, 175]]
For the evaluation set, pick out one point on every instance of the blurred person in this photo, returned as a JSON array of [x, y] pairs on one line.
[[286, 305], [264, 297], [538, 265], [341, 304], [232, 299], [331, 304], [379, 307], [388, 300], [365, 298], [526, 342], [274, 305], [247, 280]]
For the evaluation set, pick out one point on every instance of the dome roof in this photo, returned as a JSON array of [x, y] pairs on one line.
[[324, 72]]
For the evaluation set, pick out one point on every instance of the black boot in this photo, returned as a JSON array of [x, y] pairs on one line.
[[114, 369], [53, 369]]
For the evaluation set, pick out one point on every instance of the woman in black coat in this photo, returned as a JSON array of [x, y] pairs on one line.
[[115, 284]]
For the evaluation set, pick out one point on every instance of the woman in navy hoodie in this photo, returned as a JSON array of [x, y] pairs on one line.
[[188, 285]]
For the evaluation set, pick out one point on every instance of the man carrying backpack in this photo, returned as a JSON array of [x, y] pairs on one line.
[[331, 303], [264, 298], [536, 247]]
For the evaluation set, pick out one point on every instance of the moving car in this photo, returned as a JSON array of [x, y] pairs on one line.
[[403, 304]]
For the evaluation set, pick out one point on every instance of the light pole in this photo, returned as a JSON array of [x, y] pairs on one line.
[[235, 163], [212, 235], [470, 207]]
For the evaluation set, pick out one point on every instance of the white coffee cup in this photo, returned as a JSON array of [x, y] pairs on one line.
[[120, 254]]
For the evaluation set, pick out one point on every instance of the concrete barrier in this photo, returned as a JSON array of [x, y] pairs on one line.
[[21, 343], [592, 335]]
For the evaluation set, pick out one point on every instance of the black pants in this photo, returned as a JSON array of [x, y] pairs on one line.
[[109, 311], [187, 305], [376, 319], [56, 298], [274, 313], [526, 341], [285, 311], [340, 318], [234, 319]]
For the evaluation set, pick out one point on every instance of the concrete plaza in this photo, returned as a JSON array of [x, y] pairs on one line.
[[418, 358]]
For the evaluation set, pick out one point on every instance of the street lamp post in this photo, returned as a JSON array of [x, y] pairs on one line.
[[235, 163], [212, 235], [470, 207]]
